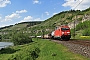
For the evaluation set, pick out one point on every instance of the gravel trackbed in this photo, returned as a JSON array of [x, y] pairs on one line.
[[77, 46]]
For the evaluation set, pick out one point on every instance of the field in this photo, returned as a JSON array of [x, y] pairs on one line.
[[47, 50]]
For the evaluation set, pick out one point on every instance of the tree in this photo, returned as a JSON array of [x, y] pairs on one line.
[[20, 38]]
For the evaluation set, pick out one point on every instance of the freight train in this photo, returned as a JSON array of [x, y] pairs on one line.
[[62, 33]]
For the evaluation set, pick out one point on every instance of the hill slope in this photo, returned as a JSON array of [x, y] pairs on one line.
[[21, 25], [62, 18]]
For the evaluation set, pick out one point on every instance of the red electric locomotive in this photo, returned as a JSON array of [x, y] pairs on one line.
[[62, 32]]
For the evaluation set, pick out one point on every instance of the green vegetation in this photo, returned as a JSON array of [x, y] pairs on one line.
[[85, 26], [20, 38], [62, 18], [39, 49], [20, 52], [27, 54], [7, 31], [54, 51], [20, 25], [86, 32]]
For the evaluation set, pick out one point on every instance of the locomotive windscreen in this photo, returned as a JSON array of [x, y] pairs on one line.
[[64, 28]]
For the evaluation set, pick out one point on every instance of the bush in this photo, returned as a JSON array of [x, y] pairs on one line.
[[20, 38], [27, 54], [86, 32], [83, 25], [7, 50]]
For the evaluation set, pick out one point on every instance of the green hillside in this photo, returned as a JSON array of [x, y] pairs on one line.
[[7, 31], [63, 18], [47, 26], [20, 26]]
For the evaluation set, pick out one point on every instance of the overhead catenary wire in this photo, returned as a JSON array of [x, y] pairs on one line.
[[76, 16], [78, 5]]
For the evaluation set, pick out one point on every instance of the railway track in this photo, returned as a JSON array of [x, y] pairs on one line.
[[77, 46], [81, 42], [76, 41]]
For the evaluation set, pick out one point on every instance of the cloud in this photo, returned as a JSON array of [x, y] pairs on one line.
[[30, 18], [47, 13], [3, 3], [36, 2], [73, 3], [22, 11], [0, 17], [3, 25], [12, 16], [5, 21]]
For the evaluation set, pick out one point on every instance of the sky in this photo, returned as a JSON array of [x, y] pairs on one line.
[[16, 11]]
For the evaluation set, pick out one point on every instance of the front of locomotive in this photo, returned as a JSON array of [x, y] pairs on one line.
[[66, 34]]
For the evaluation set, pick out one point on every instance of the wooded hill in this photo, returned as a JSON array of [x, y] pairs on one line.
[[19, 26], [47, 26], [63, 18]]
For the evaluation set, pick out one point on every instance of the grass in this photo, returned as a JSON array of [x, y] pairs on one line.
[[54, 51], [80, 36], [48, 51]]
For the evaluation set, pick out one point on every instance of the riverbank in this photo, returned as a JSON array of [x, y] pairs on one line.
[[42, 49]]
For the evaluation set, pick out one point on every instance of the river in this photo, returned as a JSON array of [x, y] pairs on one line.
[[5, 44]]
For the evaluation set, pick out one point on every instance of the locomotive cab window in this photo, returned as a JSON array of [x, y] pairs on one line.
[[64, 28]]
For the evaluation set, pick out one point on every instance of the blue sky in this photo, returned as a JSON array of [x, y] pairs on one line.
[[16, 11]]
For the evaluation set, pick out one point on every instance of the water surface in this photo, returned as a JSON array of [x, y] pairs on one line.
[[5, 44]]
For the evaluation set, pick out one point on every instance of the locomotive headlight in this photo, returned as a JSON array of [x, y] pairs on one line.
[[68, 32], [62, 33]]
